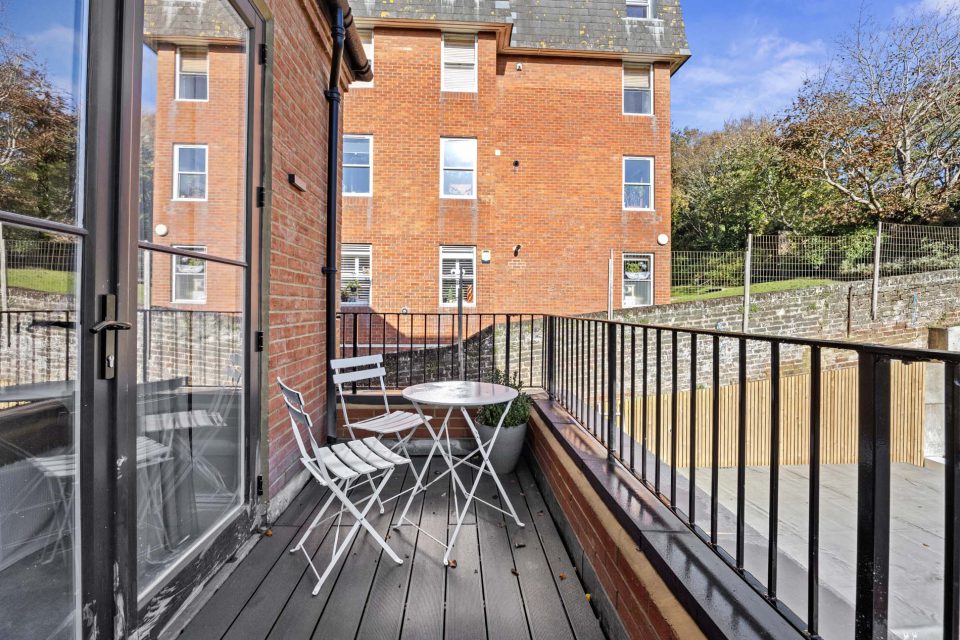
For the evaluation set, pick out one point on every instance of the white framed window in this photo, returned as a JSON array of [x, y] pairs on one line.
[[455, 260], [637, 280], [356, 281], [189, 172], [366, 38], [639, 9], [357, 165], [458, 69], [638, 183], [458, 168], [189, 284], [637, 89], [193, 71]]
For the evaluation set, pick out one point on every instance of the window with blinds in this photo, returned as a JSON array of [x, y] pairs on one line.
[[639, 9], [189, 276], [456, 263], [366, 37], [355, 274], [459, 64], [638, 89], [192, 73], [637, 280]]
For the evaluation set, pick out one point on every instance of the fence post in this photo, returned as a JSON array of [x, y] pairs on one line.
[[873, 497], [611, 385], [747, 266], [3, 271], [874, 299]]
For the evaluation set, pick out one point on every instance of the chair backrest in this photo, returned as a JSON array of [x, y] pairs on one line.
[[300, 421], [349, 370], [291, 395]]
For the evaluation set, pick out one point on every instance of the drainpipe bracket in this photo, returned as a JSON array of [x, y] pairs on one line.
[[328, 270]]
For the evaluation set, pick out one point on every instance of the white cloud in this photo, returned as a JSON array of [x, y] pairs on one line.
[[758, 75], [940, 6]]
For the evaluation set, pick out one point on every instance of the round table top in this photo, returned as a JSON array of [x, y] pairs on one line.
[[456, 393]]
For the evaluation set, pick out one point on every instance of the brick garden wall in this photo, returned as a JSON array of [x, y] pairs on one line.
[[562, 119]]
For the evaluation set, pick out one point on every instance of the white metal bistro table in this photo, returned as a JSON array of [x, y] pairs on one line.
[[462, 395]]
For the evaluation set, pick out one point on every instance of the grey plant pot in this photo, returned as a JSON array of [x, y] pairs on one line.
[[508, 447]]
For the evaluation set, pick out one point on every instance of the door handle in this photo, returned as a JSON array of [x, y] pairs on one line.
[[110, 325]]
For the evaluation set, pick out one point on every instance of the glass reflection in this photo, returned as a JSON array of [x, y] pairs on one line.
[[190, 418], [41, 84], [39, 545]]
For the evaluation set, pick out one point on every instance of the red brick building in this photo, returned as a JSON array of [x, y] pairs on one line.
[[525, 147]]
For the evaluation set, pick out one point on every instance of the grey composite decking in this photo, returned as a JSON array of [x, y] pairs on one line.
[[510, 582]]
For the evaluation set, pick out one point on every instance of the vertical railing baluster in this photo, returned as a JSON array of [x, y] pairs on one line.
[[507, 349], [951, 569], [774, 513], [692, 484], [813, 534], [644, 415], [355, 324], [873, 496], [658, 413], [581, 367], [633, 398], [674, 379], [741, 451], [620, 422], [611, 345], [604, 391]]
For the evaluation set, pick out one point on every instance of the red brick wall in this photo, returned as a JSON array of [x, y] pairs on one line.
[[562, 119], [643, 602], [301, 61], [218, 222]]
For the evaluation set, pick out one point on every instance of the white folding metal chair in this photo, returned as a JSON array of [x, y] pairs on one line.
[[339, 468], [350, 370]]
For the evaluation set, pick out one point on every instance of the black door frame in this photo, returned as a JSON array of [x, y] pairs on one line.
[[108, 407]]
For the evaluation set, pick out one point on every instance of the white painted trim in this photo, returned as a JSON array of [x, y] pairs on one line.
[[653, 181], [640, 3], [369, 139], [623, 91], [176, 87], [443, 64], [623, 277], [472, 196], [199, 248], [367, 84], [473, 251], [176, 172]]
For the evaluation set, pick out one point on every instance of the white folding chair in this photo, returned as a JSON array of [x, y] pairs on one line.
[[350, 370], [338, 468]]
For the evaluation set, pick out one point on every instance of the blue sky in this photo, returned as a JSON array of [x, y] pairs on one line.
[[752, 56]]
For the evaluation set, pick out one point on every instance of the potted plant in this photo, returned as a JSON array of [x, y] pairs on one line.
[[506, 450], [635, 271], [350, 292]]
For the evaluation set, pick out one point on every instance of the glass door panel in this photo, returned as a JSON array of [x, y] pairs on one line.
[[42, 67], [39, 547], [193, 210]]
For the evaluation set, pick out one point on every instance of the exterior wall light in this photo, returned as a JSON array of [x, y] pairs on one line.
[[663, 239]]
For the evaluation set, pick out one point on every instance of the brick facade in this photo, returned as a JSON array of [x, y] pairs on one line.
[[297, 238], [562, 119]]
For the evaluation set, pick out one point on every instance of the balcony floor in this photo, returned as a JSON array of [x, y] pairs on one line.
[[510, 582]]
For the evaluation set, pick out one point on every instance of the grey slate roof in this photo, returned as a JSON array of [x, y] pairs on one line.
[[570, 25], [186, 19]]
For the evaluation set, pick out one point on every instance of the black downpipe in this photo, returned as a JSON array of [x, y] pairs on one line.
[[330, 270]]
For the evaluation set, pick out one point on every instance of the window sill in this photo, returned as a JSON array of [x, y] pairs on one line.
[[188, 199], [357, 195]]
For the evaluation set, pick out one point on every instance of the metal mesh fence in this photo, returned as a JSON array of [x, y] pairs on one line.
[[792, 257], [39, 265], [704, 271], [909, 248]]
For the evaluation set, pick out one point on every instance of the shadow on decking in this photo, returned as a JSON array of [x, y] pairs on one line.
[[510, 582]]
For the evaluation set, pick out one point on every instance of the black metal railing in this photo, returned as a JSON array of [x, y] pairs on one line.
[[424, 347], [669, 402], [39, 345]]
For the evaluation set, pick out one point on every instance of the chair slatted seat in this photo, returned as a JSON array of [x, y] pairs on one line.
[[340, 468]]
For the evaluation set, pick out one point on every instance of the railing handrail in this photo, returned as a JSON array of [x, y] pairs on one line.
[[915, 354]]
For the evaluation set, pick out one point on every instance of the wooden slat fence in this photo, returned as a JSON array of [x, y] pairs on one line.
[[838, 413]]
